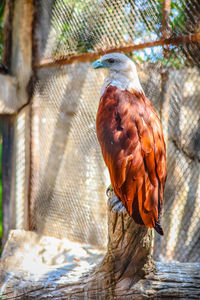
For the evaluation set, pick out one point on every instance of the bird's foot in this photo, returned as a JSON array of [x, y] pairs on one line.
[[116, 204], [114, 201]]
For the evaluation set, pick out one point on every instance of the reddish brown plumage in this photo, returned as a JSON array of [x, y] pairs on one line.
[[133, 148]]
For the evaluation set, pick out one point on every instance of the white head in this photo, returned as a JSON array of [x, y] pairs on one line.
[[122, 71]]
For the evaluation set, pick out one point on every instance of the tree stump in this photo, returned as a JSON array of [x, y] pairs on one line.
[[129, 247], [127, 270]]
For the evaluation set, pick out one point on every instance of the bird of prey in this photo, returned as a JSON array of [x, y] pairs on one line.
[[131, 139]]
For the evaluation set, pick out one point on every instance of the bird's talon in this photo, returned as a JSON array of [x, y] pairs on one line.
[[118, 207], [109, 191]]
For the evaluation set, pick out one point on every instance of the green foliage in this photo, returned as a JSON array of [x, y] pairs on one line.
[[180, 17]]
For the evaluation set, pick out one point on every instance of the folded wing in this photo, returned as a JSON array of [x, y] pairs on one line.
[[133, 148]]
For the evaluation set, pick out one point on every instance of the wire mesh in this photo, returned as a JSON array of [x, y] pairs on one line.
[[85, 26], [68, 175], [182, 201], [70, 197]]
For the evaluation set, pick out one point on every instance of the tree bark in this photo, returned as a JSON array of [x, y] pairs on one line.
[[129, 247]]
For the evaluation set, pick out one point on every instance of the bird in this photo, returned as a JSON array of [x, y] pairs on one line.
[[131, 138]]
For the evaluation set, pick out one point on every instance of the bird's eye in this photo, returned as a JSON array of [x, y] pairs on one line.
[[111, 60]]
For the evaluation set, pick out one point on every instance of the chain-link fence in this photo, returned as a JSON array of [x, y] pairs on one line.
[[68, 176]]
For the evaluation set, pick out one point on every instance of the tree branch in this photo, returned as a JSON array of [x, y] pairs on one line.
[[59, 61]]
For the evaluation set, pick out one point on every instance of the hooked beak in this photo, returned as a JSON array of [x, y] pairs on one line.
[[98, 64]]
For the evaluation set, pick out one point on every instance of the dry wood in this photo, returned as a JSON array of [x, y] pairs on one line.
[[16, 157], [7, 36], [17, 56], [126, 272], [57, 61], [8, 94], [41, 27], [21, 56], [16, 94], [7, 169]]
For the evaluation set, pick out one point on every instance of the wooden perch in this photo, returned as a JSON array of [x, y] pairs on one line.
[[91, 56], [129, 248], [126, 272]]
